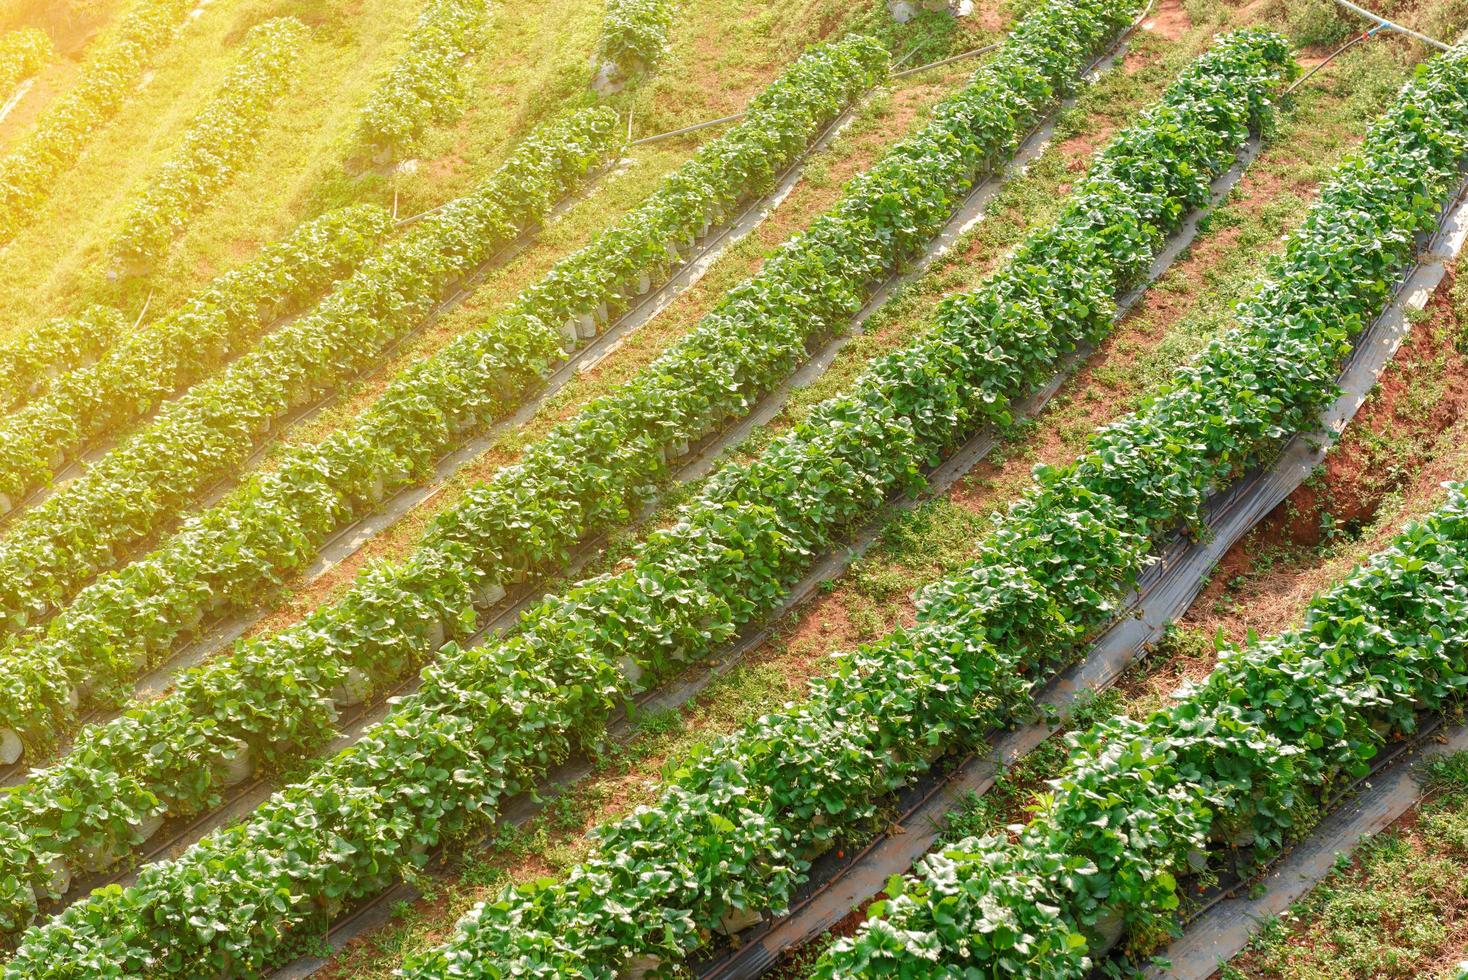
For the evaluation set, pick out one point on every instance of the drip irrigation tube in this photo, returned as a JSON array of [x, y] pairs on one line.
[[1366, 36], [1164, 592], [179, 833], [1392, 26], [347, 541], [1221, 929]]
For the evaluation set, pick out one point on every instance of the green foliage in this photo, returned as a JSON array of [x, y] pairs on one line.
[[634, 34], [274, 521], [927, 37], [150, 365], [23, 53], [85, 526], [427, 85], [219, 141], [735, 830], [487, 720], [1241, 759], [1448, 773], [31, 359], [110, 72], [237, 551], [1318, 23], [1459, 299]]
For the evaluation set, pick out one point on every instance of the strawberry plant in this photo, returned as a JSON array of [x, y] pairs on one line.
[[734, 831], [206, 433], [108, 75], [634, 34], [32, 359], [426, 85], [217, 143], [1239, 760], [488, 720], [152, 364], [1360, 677], [272, 524], [23, 52]]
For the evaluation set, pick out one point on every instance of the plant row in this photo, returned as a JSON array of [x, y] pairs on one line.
[[221, 139], [734, 832], [107, 78], [23, 53], [634, 34], [1243, 759], [92, 522], [426, 85], [32, 359], [830, 77], [274, 522], [149, 366], [487, 720], [1039, 587]]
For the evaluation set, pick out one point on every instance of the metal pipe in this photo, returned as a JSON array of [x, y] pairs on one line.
[[689, 129], [1383, 22], [948, 61], [1332, 56]]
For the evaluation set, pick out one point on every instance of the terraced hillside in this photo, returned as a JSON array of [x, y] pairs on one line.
[[728, 488]]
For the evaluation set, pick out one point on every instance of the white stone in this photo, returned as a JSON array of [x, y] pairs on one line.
[[147, 827], [737, 920], [585, 326], [639, 967], [353, 689], [489, 594], [238, 765], [644, 283], [11, 747]]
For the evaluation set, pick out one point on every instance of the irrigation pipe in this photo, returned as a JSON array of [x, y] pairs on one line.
[[1392, 25], [947, 61], [376, 911], [1166, 589], [1334, 55], [144, 311]]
